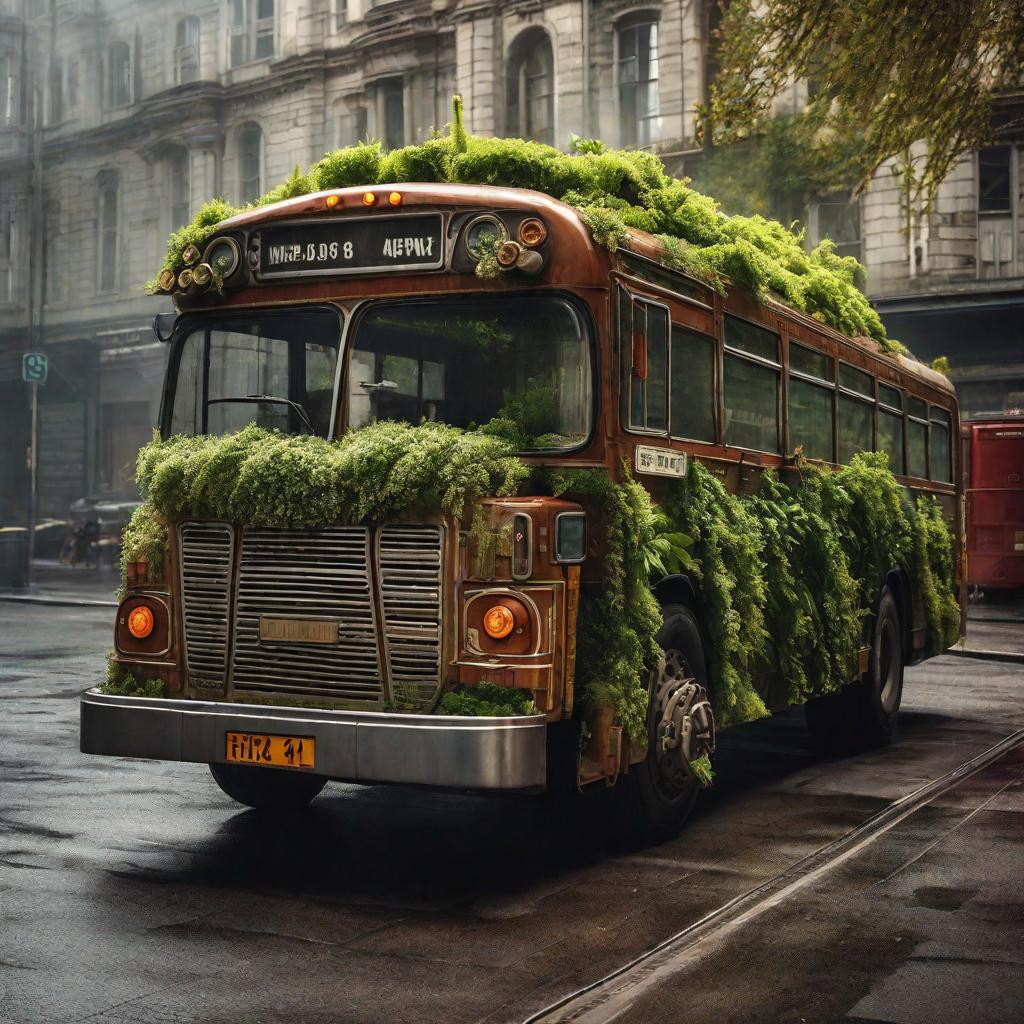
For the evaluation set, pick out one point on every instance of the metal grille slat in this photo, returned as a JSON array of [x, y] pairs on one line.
[[307, 573], [410, 563], [207, 552]]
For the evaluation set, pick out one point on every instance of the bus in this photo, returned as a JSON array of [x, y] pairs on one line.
[[995, 503], [282, 651]]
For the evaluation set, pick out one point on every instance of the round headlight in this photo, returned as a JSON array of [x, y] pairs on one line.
[[223, 256], [480, 228], [141, 622], [498, 622]]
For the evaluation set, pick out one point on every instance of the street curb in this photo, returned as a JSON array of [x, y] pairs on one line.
[[1009, 656], [60, 602]]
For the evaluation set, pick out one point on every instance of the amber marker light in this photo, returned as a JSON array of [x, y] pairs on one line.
[[140, 622], [369, 199], [532, 232], [498, 622], [395, 198], [332, 201]]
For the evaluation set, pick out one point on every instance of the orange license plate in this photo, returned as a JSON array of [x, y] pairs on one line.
[[272, 751]]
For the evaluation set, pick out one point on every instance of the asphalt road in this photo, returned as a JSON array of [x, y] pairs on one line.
[[135, 891]]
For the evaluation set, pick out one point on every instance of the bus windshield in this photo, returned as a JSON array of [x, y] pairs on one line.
[[274, 368], [515, 367]]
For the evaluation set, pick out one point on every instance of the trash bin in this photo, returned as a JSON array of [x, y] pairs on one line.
[[13, 558]]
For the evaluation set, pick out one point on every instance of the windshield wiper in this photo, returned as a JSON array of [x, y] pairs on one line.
[[275, 399]]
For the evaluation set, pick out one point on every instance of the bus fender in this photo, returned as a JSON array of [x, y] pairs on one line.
[[677, 589]]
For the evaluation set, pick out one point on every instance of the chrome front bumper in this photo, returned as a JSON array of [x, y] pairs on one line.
[[355, 746]]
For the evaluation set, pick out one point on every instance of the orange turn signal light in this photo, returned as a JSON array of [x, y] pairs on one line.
[[532, 232], [395, 198], [498, 622], [141, 622], [369, 199], [331, 201]]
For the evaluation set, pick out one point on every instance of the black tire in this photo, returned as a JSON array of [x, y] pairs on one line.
[[656, 810], [267, 789], [864, 715]]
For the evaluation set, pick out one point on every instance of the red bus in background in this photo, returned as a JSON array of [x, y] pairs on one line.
[[995, 503]]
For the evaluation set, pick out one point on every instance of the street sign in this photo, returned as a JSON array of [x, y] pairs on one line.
[[34, 367]]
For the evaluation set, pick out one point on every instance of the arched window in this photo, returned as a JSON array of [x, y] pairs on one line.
[[119, 74], [179, 195], [531, 87], [250, 162], [638, 83], [108, 223], [186, 50]]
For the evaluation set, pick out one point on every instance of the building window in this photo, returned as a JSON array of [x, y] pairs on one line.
[[638, 84], [178, 191], [391, 112], [252, 30], [55, 94], [6, 254], [10, 101], [997, 211], [52, 283], [531, 87], [118, 75], [341, 13], [349, 122], [108, 217], [250, 162], [836, 217], [186, 50]]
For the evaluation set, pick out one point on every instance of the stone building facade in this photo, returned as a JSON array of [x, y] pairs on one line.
[[119, 117]]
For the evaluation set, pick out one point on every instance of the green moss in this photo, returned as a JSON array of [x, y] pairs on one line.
[[487, 700], [145, 540], [702, 770], [613, 190], [377, 473], [121, 682]]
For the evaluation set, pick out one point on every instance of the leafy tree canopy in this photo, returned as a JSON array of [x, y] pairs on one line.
[[896, 74]]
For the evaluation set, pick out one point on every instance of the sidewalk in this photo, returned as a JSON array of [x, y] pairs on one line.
[[58, 584]]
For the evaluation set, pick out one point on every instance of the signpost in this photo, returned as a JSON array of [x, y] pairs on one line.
[[34, 368]]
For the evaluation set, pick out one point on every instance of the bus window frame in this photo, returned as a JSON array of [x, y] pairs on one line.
[[948, 425], [625, 361], [716, 390], [901, 410], [187, 323], [578, 307], [926, 422], [780, 368], [871, 401], [826, 385]]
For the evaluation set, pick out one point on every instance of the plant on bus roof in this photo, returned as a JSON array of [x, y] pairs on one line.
[[613, 191]]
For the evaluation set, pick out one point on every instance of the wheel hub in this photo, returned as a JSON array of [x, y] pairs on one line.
[[685, 722]]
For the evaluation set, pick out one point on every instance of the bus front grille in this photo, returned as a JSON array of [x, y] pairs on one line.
[[207, 551], [294, 578]]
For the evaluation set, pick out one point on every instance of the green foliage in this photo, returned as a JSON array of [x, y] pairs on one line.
[[487, 700], [619, 620], [487, 264], [666, 550], [702, 770], [613, 191], [935, 568], [891, 75], [199, 232], [144, 540], [940, 364], [376, 473], [122, 682]]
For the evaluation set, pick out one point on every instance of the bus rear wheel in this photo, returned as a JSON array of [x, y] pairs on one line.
[[661, 791], [864, 714], [267, 789]]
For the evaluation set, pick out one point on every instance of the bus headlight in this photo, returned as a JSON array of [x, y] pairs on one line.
[[570, 537], [223, 256], [480, 228], [498, 622]]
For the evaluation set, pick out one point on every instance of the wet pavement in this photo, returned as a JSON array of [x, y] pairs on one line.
[[135, 891]]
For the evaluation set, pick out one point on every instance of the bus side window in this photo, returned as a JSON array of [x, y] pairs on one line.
[[693, 385], [751, 386], [643, 340], [941, 462], [890, 426], [811, 397], [917, 438], [856, 412]]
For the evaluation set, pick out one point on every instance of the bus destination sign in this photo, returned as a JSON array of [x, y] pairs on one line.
[[354, 246]]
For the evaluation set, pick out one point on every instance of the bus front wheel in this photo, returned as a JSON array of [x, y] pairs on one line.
[[660, 791], [864, 714], [267, 789]]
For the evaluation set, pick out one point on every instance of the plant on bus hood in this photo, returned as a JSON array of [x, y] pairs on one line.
[[373, 474], [613, 191]]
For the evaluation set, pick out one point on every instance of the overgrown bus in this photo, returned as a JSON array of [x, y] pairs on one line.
[[341, 308]]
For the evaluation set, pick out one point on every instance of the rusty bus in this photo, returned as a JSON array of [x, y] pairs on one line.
[[346, 305]]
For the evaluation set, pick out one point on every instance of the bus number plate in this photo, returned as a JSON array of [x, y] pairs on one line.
[[272, 751]]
